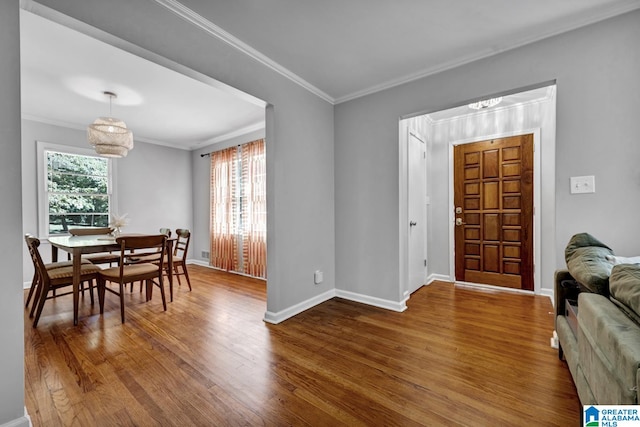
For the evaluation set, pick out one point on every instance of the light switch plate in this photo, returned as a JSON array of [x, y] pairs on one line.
[[583, 184]]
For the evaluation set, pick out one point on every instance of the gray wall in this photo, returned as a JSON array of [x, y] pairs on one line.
[[598, 100], [11, 302], [153, 184], [201, 195]]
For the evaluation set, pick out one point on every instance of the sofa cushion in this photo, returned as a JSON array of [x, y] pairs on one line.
[[624, 285], [609, 349], [587, 262]]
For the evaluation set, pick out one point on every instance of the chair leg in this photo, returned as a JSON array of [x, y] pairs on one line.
[[186, 275], [161, 286], [101, 291], [41, 300], [148, 290], [90, 290], [36, 298], [34, 283], [176, 274], [122, 301]]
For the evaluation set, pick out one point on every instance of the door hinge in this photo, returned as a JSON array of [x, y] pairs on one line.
[[424, 154], [425, 262]]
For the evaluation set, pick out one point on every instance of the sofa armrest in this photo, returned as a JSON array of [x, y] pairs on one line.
[[561, 292]]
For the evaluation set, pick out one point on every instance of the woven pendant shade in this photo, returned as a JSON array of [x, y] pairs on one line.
[[110, 136]]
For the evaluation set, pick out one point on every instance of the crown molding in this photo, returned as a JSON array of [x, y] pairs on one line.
[[212, 29], [574, 24]]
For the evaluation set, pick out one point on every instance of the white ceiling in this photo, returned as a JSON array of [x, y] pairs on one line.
[[350, 48], [339, 50], [64, 74]]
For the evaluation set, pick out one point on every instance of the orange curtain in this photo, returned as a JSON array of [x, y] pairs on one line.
[[254, 209], [224, 210]]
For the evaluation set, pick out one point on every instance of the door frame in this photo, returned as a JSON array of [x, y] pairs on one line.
[[536, 205]]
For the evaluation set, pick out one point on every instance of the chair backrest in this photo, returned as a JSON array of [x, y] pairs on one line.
[[181, 245], [166, 231], [90, 231], [132, 243], [38, 265]]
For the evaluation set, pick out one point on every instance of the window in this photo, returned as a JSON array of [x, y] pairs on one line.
[[239, 209], [75, 189]]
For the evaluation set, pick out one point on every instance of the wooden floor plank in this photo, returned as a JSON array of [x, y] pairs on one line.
[[457, 356]]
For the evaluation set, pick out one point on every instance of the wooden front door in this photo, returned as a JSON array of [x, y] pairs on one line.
[[493, 197]]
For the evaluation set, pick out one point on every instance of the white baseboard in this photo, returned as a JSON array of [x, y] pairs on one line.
[[442, 277], [492, 288], [281, 316], [206, 264], [374, 301], [24, 421]]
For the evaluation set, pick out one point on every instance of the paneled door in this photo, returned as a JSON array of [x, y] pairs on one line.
[[493, 198]]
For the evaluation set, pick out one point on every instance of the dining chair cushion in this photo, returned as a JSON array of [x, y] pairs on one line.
[[132, 270], [66, 272], [61, 264]]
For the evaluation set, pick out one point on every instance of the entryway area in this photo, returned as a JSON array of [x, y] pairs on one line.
[[502, 199]]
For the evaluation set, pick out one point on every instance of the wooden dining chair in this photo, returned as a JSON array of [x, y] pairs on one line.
[[54, 278], [35, 281], [128, 273], [99, 258], [180, 250], [147, 256]]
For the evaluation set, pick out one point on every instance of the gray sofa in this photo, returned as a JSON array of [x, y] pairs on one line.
[[597, 322]]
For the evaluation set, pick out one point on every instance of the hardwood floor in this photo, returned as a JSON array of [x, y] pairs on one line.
[[456, 357]]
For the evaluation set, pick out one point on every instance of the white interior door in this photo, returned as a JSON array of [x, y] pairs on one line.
[[417, 221]]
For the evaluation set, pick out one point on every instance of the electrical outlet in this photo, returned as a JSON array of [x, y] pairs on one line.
[[318, 277], [205, 254]]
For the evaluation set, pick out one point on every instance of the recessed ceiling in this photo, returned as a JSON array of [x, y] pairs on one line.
[[64, 74]]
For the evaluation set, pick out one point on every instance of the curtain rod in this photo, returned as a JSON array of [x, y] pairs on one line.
[[209, 154]]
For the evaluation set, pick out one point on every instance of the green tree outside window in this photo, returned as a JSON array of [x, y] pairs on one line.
[[77, 191]]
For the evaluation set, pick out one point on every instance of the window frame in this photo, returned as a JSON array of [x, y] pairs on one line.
[[43, 206]]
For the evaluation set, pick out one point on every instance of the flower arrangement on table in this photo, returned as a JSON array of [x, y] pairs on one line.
[[118, 222]]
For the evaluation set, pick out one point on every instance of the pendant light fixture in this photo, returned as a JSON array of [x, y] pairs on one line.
[[109, 136]]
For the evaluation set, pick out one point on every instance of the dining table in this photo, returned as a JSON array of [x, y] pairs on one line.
[[79, 245]]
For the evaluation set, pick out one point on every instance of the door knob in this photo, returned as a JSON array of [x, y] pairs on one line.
[[412, 223], [459, 221]]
